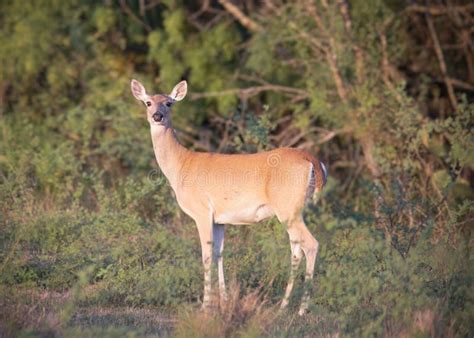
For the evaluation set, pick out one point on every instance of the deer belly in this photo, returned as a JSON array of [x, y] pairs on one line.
[[246, 215]]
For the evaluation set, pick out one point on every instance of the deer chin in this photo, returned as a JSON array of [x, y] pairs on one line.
[[157, 128], [154, 123]]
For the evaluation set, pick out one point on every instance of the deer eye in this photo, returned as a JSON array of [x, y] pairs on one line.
[[168, 104], [148, 103]]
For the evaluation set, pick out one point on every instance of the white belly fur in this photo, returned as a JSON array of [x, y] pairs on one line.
[[247, 215]]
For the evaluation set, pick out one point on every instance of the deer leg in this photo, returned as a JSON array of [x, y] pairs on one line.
[[296, 255], [310, 246], [218, 239], [205, 235]]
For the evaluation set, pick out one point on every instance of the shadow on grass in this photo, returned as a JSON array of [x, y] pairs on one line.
[[143, 321]]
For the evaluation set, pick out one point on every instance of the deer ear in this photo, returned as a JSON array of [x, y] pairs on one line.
[[179, 91], [138, 90]]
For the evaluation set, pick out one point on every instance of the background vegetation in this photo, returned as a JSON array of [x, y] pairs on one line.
[[92, 242]]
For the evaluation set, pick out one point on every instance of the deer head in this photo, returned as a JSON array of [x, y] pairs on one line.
[[158, 107]]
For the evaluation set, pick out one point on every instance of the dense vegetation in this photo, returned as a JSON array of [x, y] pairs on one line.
[[92, 242]]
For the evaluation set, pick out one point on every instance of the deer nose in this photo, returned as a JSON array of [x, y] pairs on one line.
[[157, 117]]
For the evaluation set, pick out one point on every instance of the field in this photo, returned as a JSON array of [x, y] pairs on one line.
[[92, 240]]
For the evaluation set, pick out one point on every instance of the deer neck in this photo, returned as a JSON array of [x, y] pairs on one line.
[[169, 153]]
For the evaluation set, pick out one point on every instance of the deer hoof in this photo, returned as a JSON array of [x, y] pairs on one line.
[[284, 304], [303, 311]]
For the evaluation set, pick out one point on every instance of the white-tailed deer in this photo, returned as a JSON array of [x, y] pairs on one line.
[[217, 189]]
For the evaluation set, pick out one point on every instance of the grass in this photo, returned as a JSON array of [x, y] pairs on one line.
[[242, 315], [39, 313], [32, 312], [148, 320]]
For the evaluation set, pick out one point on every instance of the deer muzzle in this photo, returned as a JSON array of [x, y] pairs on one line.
[[157, 117]]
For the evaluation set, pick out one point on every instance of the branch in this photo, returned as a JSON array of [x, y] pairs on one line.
[[152, 4], [367, 143], [330, 52], [3, 91], [438, 10], [126, 9], [461, 84], [240, 16], [203, 9], [251, 91], [386, 68], [197, 144], [329, 136], [358, 54], [142, 7], [442, 64]]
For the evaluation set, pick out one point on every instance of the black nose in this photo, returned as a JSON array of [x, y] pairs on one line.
[[158, 117]]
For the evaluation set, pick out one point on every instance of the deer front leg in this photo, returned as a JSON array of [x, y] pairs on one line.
[[205, 235], [218, 241]]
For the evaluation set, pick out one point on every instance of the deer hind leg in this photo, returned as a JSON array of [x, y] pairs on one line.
[[204, 226], [301, 237], [310, 245], [296, 255], [218, 241]]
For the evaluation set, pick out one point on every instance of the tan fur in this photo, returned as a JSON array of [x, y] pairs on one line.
[[218, 189]]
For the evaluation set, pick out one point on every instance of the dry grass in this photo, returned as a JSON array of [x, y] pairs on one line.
[[42, 312], [423, 325], [29, 309], [241, 316]]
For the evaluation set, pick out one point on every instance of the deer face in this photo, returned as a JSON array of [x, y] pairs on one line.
[[158, 107]]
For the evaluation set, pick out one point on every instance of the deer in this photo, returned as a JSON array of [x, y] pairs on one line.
[[234, 189]]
